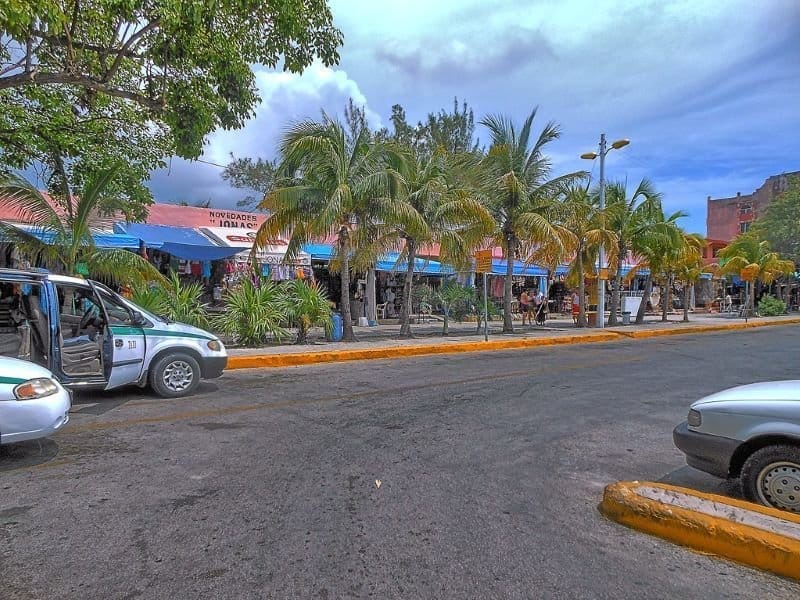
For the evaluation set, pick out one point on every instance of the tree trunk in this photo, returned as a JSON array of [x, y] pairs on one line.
[[648, 289], [686, 302], [581, 291], [446, 326], [405, 309], [344, 277], [616, 292], [665, 297], [508, 324]]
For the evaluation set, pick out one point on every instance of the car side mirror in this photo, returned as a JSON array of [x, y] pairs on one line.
[[138, 318]]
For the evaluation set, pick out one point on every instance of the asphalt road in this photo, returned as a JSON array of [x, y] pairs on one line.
[[456, 476]]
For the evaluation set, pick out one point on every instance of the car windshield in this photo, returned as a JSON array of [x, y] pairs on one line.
[[148, 314]]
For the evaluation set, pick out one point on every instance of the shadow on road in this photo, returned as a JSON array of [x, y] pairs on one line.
[[27, 454]]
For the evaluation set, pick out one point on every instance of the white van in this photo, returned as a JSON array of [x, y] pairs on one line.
[[92, 338]]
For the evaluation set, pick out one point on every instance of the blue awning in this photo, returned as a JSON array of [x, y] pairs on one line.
[[421, 265], [499, 266], [101, 240], [181, 242], [319, 251]]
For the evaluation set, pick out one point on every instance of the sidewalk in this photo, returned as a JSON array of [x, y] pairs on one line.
[[383, 340]]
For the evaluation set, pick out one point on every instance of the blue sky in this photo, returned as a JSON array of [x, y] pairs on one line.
[[708, 92]]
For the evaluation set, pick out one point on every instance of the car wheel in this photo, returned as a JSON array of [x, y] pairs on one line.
[[175, 375], [771, 476]]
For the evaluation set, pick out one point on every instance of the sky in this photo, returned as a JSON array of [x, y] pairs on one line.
[[708, 92]]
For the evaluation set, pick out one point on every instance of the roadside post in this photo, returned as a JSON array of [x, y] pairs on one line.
[[748, 275], [483, 264]]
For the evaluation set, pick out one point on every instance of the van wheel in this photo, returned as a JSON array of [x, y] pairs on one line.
[[771, 476], [175, 375]]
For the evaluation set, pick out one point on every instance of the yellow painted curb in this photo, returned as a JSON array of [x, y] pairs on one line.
[[305, 358], [736, 541], [688, 329]]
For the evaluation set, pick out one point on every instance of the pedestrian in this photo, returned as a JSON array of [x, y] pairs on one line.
[[540, 308], [576, 306], [525, 306]]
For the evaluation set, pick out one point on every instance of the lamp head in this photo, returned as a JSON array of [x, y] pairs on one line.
[[620, 144], [589, 155]]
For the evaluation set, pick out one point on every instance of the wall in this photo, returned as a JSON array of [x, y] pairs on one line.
[[725, 216]]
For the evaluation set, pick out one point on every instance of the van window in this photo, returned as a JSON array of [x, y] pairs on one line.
[[118, 313]]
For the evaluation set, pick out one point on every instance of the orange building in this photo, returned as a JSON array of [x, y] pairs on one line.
[[728, 217]]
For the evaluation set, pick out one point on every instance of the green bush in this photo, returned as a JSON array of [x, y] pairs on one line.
[[175, 301], [255, 313], [770, 306], [308, 305]]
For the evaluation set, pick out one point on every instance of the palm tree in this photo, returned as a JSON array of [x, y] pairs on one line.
[[64, 221], [748, 253], [630, 219], [579, 213], [689, 266], [514, 178], [332, 178], [426, 208], [655, 248]]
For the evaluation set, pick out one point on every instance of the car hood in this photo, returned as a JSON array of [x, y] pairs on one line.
[[21, 369], [767, 391]]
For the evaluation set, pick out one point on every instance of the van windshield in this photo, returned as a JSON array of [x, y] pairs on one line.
[[147, 314]]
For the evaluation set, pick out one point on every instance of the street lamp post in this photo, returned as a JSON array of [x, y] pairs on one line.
[[601, 283]]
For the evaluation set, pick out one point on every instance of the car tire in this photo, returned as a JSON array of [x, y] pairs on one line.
[[175, 375], [771, 476]]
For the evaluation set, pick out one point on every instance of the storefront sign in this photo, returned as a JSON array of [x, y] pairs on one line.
[[221, 218], [483, 261]]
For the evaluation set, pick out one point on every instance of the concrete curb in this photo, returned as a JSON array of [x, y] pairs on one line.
[[687, 329], [747, 533], [306, 358]]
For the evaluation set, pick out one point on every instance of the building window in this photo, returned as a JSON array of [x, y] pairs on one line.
[[745, 209], [743, 227]]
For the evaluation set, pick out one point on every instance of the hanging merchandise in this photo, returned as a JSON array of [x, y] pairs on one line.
[[265, 270], [207, 269]]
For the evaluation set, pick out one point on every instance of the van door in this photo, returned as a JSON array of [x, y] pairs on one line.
[[127, 341]]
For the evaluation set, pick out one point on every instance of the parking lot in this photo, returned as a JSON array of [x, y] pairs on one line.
[[452, 476]]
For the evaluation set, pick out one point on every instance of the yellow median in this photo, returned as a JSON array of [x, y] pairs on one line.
[[290, 359], [305, 358], [754, 535]]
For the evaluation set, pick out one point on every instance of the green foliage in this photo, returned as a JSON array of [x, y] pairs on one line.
[[770, 306], [257, 176], [66, 219], [186, 65], [308, 306], [182, 302], [453, 132], [149, 297], [253, 314]]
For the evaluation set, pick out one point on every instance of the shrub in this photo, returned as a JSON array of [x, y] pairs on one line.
[[182, 302], [770, 306], [175, 301], [149, 296], [255, 313], [308, 306]]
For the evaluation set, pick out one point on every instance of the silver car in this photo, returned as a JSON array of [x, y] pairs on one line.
[[33, 404], [750, 432]]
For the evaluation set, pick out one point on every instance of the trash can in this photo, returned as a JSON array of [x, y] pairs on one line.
[[337, 331], [626, 318]]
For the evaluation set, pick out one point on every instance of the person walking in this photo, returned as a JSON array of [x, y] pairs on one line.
[[525, 306], [576, 306], [540, 308]]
